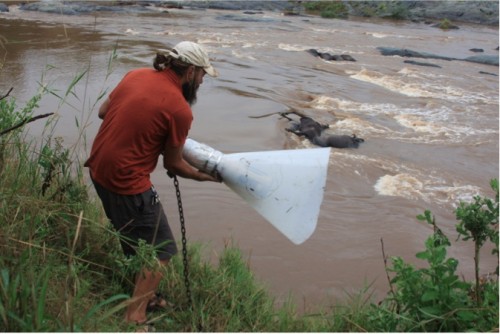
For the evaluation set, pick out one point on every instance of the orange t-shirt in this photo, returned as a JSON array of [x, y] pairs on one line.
[[146, 112]]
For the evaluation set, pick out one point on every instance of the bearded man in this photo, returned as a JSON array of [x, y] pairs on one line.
[[148, 114]]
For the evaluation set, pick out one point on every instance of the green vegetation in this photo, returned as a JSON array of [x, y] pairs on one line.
[[327, 9], [61, 267], [434, 299], [340, 9], [446, 24]]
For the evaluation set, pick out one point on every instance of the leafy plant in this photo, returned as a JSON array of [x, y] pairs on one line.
[[479, 222], [434, 298], [444, 24]]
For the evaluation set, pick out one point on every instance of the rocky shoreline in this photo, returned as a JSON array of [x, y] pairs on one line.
[[477, 12]]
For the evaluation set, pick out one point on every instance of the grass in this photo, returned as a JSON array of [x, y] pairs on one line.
[[327, 9], [61, 266]]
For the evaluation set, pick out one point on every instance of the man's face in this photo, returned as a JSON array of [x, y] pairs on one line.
[[190, 89]]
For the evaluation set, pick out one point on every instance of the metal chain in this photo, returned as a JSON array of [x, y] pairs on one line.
[[184, 242]]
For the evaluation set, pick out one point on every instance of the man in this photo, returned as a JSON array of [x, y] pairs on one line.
[[148, 114]]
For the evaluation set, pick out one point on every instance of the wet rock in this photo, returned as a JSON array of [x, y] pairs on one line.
[[476, 50], [481, 59], [3, 8], [246, 18], [347, 58], [313, 52], [330, 57], [488, 73], [412, 62], [251, 12], [388, 51]]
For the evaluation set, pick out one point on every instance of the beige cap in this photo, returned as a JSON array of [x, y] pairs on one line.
[[195, 54]]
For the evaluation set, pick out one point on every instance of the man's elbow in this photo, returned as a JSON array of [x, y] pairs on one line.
[[170, 167]]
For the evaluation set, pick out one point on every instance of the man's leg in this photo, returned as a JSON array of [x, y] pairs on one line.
[[146, 284], [138, 217]]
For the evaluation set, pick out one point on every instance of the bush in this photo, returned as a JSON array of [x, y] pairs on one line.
[[434, 298], [327, 9]]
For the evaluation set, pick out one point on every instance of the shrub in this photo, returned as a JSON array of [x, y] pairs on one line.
[[327, 9], [434, 298]]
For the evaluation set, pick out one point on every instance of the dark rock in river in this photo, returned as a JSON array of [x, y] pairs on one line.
[[488, 73], [313, 52], [481, 59], [3, 8], [347, 58], [387, 51], [330, 57], [246, 18], [420, 63]]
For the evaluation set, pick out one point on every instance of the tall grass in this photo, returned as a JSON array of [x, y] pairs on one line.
[[62, 269], [397, 10]]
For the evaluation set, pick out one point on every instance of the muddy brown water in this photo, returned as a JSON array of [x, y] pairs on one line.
[[431, 134]]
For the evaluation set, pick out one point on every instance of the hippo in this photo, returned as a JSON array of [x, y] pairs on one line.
[[313, 131]]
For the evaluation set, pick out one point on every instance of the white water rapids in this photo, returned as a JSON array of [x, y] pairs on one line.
[[431, 134]]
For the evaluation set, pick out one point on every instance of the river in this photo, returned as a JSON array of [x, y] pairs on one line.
[[431, 134]]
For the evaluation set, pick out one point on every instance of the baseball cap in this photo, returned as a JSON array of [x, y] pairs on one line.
[[194, 54]]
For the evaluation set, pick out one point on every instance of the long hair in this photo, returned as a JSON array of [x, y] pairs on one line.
[[163, 61]]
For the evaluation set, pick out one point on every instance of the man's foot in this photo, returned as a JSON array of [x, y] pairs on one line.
[[158, 302], [145, 328]]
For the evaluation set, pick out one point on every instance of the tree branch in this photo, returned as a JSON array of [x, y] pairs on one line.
[[23, 122], [10, 90]]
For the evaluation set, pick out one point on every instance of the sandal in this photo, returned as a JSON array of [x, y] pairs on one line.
[[145, 328], [157, 303]]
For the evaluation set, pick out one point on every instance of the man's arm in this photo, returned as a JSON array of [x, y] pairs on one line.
[[174, 163]]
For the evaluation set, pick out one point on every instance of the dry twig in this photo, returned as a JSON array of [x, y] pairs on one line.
[[10, 90], [23, 122]]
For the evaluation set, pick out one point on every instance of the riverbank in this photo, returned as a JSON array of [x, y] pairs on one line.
[[432, 137], [478, 12], [63, 271]]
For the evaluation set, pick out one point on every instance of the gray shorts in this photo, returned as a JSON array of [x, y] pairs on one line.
[[137, 217]]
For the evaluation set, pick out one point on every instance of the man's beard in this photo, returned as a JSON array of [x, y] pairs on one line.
[[189, 90]]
